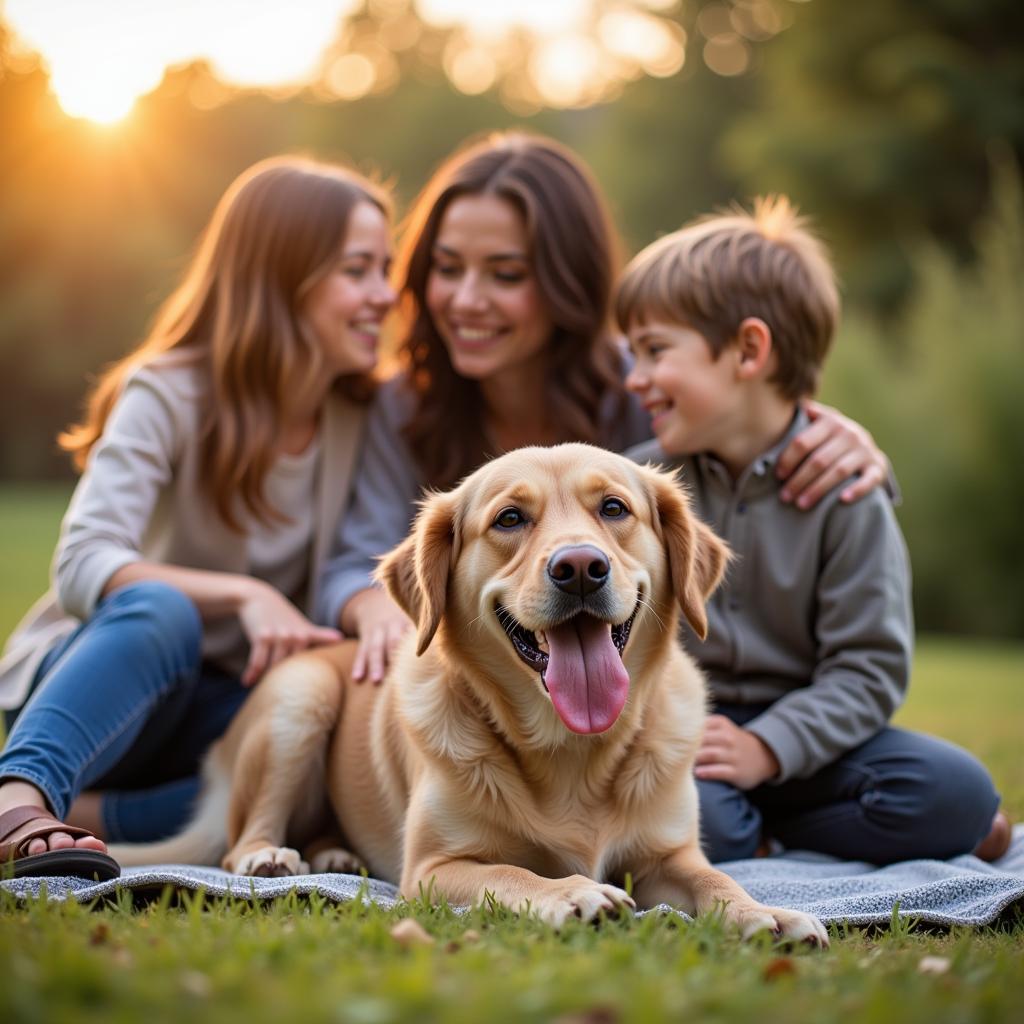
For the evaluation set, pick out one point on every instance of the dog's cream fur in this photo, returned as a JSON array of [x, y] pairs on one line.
[[457, 776]]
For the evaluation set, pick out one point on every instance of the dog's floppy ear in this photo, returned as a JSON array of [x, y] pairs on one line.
[[697, 557], [416, 572]]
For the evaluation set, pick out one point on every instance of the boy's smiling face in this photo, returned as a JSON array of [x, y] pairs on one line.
[[691, 396]]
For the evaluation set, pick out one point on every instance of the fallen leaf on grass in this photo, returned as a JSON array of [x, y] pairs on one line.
[[409, 933], [780, 967], [122, 957], [934, 964]]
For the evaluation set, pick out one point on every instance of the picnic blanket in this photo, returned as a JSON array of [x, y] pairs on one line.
[[961, 891]]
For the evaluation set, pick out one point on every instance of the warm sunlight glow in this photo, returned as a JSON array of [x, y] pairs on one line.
[[565, 69], [495, 17], [471, 68], [659, 48], [103, 99], [351, 76], [103, 54]]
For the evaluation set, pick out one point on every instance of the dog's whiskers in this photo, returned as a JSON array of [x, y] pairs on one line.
[[508, 624], [646, 603], [474, 621]]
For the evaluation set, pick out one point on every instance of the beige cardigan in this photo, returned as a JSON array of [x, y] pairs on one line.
[[139, 500]]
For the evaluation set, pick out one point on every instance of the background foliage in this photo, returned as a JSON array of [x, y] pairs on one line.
[[897, 126]]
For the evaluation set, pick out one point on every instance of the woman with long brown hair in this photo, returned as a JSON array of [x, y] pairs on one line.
[[215, 462], [506, 273]]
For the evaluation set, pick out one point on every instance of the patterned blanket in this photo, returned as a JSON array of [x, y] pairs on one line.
[[961, 891]]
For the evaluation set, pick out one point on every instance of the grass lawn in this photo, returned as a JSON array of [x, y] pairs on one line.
[[310, 961]]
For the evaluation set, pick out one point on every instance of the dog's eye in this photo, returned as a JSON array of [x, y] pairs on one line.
[[509, 519], [612, 508]]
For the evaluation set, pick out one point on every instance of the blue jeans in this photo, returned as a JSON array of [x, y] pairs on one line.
[[899, 796], [124, 705]]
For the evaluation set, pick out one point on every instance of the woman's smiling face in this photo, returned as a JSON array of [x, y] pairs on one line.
[[482, 291], [346, 307]]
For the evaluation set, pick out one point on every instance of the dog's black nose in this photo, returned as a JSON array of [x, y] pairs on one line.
[[580, 569]]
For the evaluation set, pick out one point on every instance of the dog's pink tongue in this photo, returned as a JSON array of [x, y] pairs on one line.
[[585, 676]]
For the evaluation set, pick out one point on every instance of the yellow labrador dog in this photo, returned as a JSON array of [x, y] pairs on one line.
[[533, 740]]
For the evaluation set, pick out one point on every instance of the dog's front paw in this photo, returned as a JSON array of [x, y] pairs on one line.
[[791, 925], [796, 926], [577, 896], [271, 862], [337, 861]]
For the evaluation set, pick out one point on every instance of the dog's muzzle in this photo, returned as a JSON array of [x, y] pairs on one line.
[[579, 660]]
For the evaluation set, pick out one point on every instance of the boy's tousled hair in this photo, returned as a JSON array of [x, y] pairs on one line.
[[718, 270]]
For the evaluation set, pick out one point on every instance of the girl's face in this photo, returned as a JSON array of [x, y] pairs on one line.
[[346, 307], [482, 292]]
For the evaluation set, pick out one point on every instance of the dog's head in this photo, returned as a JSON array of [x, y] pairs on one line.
[[547, 561]]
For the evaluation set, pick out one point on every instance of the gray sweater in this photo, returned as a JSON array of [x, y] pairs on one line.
[[388, 484], [814, 617]]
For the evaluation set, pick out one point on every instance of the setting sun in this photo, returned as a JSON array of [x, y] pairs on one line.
[[104, 55], [100, 106], [103, 98]]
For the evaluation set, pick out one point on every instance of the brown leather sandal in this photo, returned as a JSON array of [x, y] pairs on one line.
[[20, 825]]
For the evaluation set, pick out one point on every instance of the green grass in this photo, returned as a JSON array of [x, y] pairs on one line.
[[307, 960], [311, 961], [972, 692], [29, 522]]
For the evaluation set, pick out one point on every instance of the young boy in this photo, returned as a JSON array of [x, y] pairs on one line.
[[810, 637]]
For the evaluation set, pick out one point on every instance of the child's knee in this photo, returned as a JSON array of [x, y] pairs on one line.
[[942, 798], [962, 799]]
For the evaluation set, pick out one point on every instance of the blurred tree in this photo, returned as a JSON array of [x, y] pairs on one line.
[[945, 404], [876, 117], [657, 149]]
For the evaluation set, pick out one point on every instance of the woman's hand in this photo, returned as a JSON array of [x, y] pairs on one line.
[[831, 449], [729, 753], [275, 629], [379, 624]]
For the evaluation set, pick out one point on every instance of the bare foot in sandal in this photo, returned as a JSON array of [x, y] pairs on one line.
[[16, 793], [34, 843]]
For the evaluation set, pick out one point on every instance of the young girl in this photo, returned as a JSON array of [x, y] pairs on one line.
[[507, 272], [216, 460]]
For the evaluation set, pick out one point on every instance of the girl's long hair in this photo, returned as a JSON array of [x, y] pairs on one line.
[[573, 253], [276, 232]]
